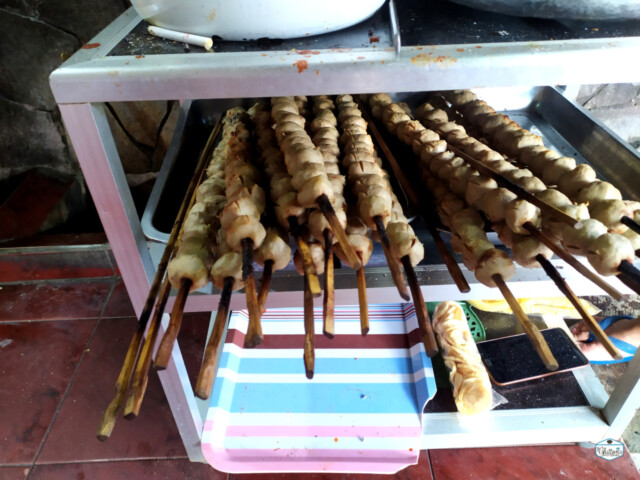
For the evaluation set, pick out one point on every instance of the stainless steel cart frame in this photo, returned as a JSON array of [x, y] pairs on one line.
[[91, 77]]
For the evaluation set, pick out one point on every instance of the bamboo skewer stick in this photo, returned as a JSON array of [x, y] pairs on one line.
[[309, 340], [424, 322], [631, 223], [124, 377], [307, 261], [394, 267], [538, 341], [450, 262], [627, 270], [629, 282], [362, 300], [141, 374], [567, 257], [563, 286], [253, 337], [328, 303], [169, 338], [329, 213], [552, 211], [208, 368], [265, 282]]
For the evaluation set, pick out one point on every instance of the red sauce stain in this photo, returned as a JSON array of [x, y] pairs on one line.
[[374, 39], [307, 52], [361, 58], [264, 54], [302, 65], [139, 56], [419, 48], [317, 72], [459, 49], [335, 439], [381, 61], [89, 46], [411, 449], [478, 46]]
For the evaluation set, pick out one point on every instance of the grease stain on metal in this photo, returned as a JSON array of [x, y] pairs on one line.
[[425, 59]]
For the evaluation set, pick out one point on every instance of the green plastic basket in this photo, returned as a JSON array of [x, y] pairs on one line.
[[475, 325]]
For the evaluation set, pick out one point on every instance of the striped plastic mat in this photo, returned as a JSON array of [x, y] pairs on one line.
[[361, 412]]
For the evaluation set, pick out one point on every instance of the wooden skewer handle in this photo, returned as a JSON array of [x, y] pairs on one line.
[[141, 374], [208, 368], [307, 261], [169, 338], [631, 223], [122, 383], [329, 213], [567, 257], [426, 330], [265, 282], [627, 269], [539, 343], [309, 340], [563, 286], [394, 266], [362, 300], [328, 302], [253, 338]]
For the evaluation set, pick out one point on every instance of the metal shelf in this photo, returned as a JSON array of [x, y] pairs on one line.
[[447, 47], [472, 53]]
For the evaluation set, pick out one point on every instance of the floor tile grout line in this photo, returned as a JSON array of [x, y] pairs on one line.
[[63, 281], [108, 299], [54, 249], [433, 476], [64, 395], [112, 460], [111, 264]]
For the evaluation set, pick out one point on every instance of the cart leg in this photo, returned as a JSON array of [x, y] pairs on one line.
[[624, 400], [95, 148], [183, 403]]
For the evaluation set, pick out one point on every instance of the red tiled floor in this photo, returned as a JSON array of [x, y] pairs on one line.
[[38, 361], [129, 470], [421, 471], [55, 265], [13, 473], [191, 339], [53, 300], [119, 304], [534, 463], [73, 435]]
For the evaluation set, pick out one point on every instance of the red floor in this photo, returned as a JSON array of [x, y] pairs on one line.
[[65, 322]]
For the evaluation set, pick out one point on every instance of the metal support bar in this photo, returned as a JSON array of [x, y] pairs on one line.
[[97, 154], [624, 400]]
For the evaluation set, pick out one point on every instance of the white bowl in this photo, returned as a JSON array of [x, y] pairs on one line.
[[252, 19]]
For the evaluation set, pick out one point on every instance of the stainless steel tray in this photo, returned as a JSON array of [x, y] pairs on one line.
[[563, 124]]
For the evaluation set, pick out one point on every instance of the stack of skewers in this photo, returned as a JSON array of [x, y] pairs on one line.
[[310, 170], [466, 177], [227, 221]]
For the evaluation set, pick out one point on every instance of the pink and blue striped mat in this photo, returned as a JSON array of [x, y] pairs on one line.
[[361, 413]]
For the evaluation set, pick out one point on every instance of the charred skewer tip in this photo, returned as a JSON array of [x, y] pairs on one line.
[[209, 365]]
